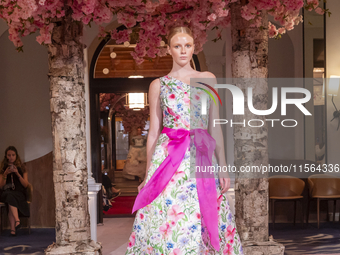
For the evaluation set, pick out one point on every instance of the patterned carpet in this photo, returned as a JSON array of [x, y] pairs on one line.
[[308, 240], [23, 243], [297, 240]]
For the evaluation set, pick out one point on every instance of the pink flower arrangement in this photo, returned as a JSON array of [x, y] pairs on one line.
[[131, 119], [198, 215], [186, 98], [165, 229], [172, 96], [219, 201], [175, 214], [228, 250], [149, 250], [171, 111], [132, 239], [230, 232], [149, 19], [176, 251]]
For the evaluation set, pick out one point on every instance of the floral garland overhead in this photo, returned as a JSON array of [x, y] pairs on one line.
[[131, 119], [148, 20]]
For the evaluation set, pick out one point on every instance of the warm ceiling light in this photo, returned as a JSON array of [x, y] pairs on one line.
[[136, 76], [136, 100], [113, 55], [162, 43], [106, 71], [126, 44]]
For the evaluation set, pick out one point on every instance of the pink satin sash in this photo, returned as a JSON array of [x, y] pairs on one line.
[[206, 186]]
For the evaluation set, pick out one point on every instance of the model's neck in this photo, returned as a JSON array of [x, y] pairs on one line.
[[181, 71]]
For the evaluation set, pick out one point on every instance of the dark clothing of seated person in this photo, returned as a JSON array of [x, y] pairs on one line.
[[111, 191], [13, 182]]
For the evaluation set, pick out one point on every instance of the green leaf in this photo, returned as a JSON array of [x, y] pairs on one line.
[[161, 249], [173, 236], [173, 193], [236, 250], [224, 217], [20, 49], [186, 218]]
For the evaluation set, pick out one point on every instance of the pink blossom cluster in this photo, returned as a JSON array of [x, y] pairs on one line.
[[110, 99], [285, 12], [148, 19], [131, 119], [134, 119]]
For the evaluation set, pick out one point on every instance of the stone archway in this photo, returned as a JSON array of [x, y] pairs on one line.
[[119, 83]]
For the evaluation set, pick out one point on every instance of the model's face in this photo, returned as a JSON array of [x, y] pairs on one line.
[[181, 48], [11, 156], [139, 131]]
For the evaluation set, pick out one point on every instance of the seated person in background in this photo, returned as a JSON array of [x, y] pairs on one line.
[[111, 191], [13, 181]]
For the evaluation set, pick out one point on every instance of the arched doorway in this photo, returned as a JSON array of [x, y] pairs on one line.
[[112, 71]]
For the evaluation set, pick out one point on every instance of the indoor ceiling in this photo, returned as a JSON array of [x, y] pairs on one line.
[[123, 65]]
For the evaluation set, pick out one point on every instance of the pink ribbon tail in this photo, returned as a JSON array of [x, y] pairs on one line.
[[179, 142], [206, 185]]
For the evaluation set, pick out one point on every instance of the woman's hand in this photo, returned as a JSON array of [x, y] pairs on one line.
[[8, 171], [224, 182], [141, 186], [15, 170]]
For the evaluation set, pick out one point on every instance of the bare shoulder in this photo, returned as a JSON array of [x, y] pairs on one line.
[[155, 85], [207, 74], [156, 82]]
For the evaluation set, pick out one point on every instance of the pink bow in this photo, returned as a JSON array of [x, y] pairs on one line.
[[206, 186]]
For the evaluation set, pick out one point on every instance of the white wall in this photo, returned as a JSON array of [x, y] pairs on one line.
[[24, 96], [285, 60], [333, 68]]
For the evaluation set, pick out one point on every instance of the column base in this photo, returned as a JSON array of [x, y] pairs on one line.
[[91, 248], [263, 248], [93, 189]]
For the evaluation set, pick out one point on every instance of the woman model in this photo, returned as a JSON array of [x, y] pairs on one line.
[[13, 181], [182, 211]]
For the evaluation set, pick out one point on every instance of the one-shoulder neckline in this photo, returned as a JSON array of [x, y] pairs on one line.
[[171, 77]]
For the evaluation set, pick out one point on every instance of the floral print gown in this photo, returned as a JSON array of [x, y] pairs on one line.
[[171, 224]]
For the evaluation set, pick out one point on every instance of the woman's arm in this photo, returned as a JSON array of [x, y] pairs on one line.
[[23, 179], [216, 133], [3, 178], [156, 121]]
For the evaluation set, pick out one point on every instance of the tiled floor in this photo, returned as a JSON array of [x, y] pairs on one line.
[[114, 235]]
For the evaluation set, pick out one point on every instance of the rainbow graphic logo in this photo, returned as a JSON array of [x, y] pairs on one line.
[[209, 93]]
